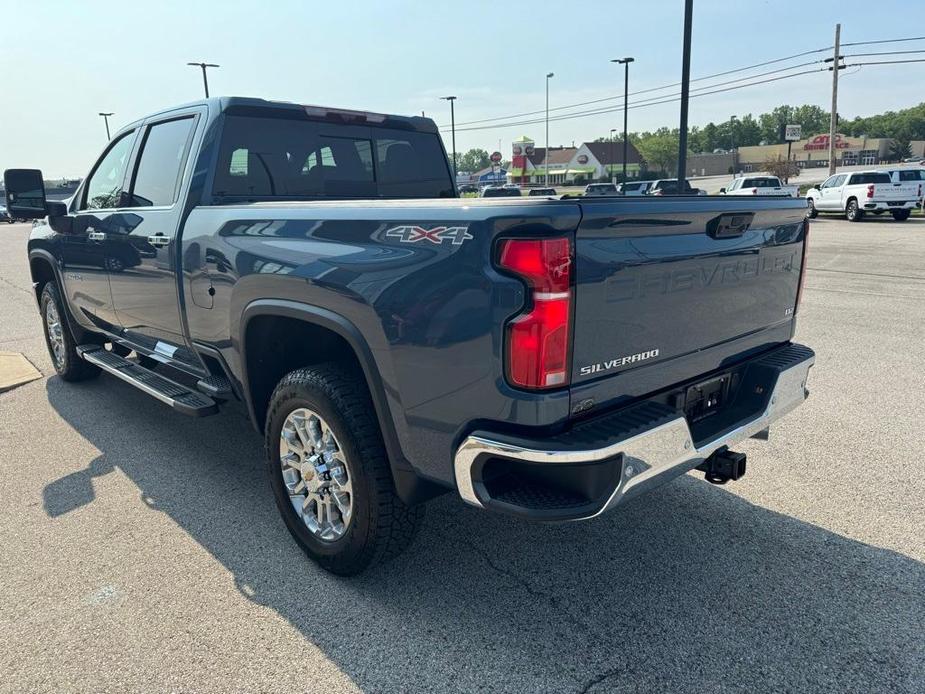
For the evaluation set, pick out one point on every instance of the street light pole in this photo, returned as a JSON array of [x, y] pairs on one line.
[[205, 80], [546, 158], [451, 99], [612, 131], [626, 93], [106, 120]]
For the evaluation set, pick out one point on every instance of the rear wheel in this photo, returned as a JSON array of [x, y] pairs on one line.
[[853, 213], [61, 344], [330, 474], [901, 215]]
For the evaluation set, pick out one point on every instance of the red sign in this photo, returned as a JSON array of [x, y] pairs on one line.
[[496, 157], [822, 142]]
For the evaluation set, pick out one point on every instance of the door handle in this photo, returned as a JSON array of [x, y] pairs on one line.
[[159, 240], [96, 236]]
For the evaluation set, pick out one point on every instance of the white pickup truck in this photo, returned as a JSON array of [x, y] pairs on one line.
[[854, 194], [759, 185]]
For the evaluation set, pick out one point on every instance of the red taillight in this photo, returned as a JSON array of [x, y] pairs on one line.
[[870, 190], [802, 265], [538, 340]]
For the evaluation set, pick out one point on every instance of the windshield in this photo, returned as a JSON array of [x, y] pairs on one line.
[[264, 158]]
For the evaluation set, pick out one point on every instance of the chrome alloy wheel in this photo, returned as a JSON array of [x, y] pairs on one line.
[[315, 473], [55, 333]]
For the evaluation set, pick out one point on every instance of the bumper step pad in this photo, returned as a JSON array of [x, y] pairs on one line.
[[178, 396]]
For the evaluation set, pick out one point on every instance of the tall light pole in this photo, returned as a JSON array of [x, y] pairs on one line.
[[451, 99], [685, 92], [610, 171], [625, 62], [546, 158], [205, 80], [106, 121]]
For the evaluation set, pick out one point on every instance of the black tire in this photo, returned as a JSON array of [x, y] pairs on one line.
[[811, 211], [901, 215], [380, 525], [853, 213], [68, 364]]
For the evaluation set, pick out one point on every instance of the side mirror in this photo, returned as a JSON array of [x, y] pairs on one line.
[[816, 187], [722, 190], [25, 193]]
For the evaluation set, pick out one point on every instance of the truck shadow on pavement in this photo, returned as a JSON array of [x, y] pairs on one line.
[[689, 588]]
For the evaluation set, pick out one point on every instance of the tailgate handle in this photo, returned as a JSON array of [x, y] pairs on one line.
[[729, 225]]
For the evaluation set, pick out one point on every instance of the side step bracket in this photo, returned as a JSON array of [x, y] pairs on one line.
[[179, 397]]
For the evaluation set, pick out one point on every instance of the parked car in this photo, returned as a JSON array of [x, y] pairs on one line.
[[542, 191], [405, 345], [599, 189], [499, 192], [853, 194], [759, 185], [634, 187], [468, 188], [669, 186]]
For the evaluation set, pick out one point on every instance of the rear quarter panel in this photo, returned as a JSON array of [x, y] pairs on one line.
[[430, 313]]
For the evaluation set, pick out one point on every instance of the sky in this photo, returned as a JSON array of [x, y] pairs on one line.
[[64, 62]]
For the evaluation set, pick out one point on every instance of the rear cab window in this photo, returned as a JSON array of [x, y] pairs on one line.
[[868, 178], [271, 157]]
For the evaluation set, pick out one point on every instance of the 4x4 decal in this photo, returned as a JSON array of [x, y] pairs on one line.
[[412, 234]]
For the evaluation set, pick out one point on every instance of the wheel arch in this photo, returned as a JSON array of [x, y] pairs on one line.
[[43, 269], [331, 330]]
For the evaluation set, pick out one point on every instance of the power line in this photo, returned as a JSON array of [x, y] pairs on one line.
[[650, 102], [654, 89], [856, 55], [870, 43], [889, 62]]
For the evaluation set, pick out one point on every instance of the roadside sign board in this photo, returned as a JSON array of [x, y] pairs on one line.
[[793, 133], [495, 157]]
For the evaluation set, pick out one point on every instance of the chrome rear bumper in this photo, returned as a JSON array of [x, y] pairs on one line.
[[649, 457]]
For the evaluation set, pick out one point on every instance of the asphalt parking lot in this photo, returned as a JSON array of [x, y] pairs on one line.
[[141, 550]]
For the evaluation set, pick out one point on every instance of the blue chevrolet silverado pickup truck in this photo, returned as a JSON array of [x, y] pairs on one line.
[[545, 358]]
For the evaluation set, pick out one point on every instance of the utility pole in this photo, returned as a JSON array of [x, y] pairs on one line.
[[546, 158], [626, 95], [106, 120], [205, 80], [451, 99], [685, 92], [833, 120]]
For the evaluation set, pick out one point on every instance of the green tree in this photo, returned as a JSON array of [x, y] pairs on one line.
[[473, 160], [659, 149], [900, 149]]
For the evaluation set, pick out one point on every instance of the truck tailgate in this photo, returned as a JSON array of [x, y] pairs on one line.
[[668, 290], [901, 192]]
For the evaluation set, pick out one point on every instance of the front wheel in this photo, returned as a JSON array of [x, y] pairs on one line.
[[811, 211], [330, 474], [58, 338], [853, 213], [901, 215]]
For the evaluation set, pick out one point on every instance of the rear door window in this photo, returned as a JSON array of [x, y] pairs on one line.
[[911, 175], [163, 154]]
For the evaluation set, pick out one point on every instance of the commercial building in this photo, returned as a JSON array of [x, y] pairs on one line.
[[587, 162], [813, 152]]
